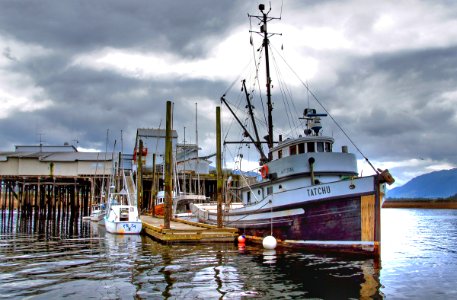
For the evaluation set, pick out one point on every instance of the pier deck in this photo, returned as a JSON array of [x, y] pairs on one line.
[[186, 231]]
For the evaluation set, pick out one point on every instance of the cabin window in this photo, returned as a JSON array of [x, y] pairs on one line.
[[269, 190], [310, 147], [248, 197], [301, 148], [320, 147], [293, 150], [328, 147], [280, 153]]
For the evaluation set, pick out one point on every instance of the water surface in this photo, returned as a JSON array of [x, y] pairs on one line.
[[418, 261]]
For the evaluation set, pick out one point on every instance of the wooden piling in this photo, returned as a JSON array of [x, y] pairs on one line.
[[168, 168], [219, 167], [153, 189]]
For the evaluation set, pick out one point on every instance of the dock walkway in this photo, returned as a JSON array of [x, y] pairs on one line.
[[186, 231]]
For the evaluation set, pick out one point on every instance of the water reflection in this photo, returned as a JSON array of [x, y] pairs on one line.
[[94, 264]]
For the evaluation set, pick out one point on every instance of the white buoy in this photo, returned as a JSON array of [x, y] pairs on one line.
[[269, 242]]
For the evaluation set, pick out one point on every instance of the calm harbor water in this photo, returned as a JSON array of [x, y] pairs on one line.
[[419, 259]]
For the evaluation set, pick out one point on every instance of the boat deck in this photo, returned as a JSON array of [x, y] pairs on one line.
[[186, 231]]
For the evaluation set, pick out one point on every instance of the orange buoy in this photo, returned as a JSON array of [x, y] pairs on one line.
[[241, 239], [264, 171]]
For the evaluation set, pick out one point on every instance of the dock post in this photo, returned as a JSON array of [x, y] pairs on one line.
[[219, 167], [168, 168], [153, 189], [139, 177]]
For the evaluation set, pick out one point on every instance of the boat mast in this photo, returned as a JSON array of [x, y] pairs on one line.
[[198, 160], [251, 113], [265, 43], [263, 31]]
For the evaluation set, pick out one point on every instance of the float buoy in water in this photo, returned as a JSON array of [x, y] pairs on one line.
[[269, 242], [241, 239]]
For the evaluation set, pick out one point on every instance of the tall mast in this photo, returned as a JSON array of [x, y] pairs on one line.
[[198, 160], [264, 19], [263, 29]]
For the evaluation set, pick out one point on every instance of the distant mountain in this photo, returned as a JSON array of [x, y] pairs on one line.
[[238, 172], [438, 184]]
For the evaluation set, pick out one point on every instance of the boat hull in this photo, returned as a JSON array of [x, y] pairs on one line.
[[335, 218], [123, 227]]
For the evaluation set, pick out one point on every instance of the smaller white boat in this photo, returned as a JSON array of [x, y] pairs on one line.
[[98, 212], [122, 214]]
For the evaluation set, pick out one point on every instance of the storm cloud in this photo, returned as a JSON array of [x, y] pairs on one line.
[[386, 72]]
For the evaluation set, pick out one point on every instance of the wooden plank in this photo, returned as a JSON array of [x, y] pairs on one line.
[[185, 231], [367, 215]]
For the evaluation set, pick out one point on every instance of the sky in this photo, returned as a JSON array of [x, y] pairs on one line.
[[386, 72]]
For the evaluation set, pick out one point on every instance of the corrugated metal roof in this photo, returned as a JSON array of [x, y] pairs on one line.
[[59, 156], [79, 156], [151, 132], [45, 148]]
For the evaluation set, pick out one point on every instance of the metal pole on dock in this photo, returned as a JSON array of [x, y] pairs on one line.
[[219, 167], [139, 177], [168, 168]]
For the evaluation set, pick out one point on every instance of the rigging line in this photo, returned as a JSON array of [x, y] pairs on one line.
[[238, 78], [238, 103], [248, 214], [280, 14], [284, 94], [258, 84], [328, 113], [287, 91]]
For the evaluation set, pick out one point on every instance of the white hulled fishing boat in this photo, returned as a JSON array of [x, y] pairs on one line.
[[122, 213], [310, 195]]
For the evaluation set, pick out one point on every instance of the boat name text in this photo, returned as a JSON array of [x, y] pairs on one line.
[[321, 190], [287, 170]]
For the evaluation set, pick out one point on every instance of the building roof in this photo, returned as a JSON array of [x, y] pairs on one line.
[[58, 156], [45, 148], [158, 133]]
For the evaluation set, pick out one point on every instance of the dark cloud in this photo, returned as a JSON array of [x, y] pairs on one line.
[[395, 104], [177, 26]]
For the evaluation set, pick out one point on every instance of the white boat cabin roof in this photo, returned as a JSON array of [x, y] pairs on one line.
[[303, 144]]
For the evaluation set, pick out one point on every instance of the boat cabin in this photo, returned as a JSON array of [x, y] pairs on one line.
[[308, 144]]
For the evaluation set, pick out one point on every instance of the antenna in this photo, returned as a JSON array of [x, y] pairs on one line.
[[77, 142], [41, 140], [122, 150]]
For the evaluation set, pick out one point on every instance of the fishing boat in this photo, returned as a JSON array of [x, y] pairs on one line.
[[98, 212], [181, 200], [122, 213], [180, 205], [309, 194]]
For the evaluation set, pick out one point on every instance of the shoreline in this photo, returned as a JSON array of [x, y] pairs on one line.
[[437, 204]]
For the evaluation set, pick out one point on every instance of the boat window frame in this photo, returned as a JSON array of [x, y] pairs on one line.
[[328, 147], [301, 148], [310, 149], [293, 150]]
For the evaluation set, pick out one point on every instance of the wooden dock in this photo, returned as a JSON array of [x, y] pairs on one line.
[[186, 231]]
